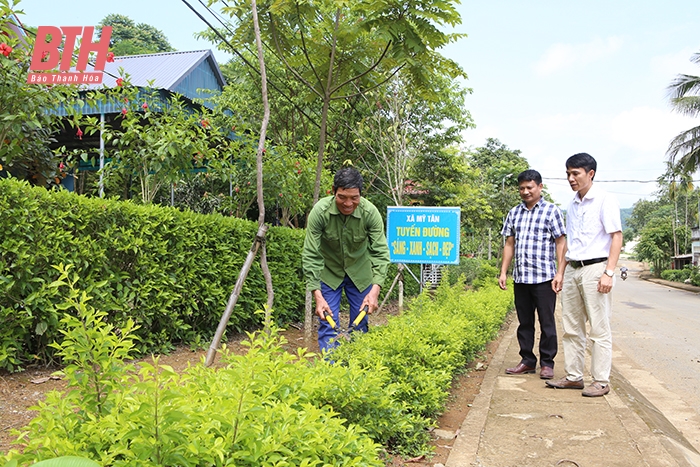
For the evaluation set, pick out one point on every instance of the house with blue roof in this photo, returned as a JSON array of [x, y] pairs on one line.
[[194, 75]]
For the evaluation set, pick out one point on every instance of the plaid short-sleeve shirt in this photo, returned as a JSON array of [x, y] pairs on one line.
[[535, 231]]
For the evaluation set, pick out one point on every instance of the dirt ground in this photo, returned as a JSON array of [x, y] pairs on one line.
[[19, 391]]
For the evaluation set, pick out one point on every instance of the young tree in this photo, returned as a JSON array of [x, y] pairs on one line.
[[262, 227], [339, 49], [157, 140], [404, 127]]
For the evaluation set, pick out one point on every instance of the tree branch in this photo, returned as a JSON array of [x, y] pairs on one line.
[[358, 93], [286, 64], [368, 70]]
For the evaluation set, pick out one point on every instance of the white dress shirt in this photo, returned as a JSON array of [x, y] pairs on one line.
[[589, 224]]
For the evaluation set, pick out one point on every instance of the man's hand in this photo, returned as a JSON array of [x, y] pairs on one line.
[[605, 283], [321, 305], [502, 280], [371, 299], [558, 282]]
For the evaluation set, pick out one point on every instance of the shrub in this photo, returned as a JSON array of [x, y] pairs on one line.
[[171, 272], [476, 272], [675, 275], [423, 349], [689, 273], [257, 410], [267, 407]]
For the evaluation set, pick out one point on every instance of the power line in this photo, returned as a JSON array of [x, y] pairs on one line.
[[616, 181]]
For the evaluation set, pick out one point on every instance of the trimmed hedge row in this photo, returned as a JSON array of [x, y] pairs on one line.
[[267, 407], [422, 350], [688, 273], [170, 271]]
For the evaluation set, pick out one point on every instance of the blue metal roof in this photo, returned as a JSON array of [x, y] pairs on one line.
[[194, 74], [181, 72]]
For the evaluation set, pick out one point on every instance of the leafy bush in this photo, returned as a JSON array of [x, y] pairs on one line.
[[423, 349], [473, 271], [675, 275], [257, 410], [688, 273], [267, 407], [411, 286], [169, 271]]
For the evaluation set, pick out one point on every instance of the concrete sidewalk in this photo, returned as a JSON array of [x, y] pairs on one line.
[[516, 421]]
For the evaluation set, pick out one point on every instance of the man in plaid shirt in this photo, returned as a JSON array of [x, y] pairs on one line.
[[535, 235]]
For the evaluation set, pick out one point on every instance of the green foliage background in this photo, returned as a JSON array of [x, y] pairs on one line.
[[170, 271]]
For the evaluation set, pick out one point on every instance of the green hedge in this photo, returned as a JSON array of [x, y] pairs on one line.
[[170, 271], [688, 273], [421, 351], [267, 407]]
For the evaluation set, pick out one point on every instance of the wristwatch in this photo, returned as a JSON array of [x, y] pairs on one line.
[[609, 272]]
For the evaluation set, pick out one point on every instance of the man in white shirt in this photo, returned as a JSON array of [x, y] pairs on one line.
[[585, 279]]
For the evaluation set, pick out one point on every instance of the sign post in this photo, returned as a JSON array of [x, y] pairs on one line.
[[423, 235]]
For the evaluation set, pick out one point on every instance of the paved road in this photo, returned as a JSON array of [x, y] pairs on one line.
[[656, 334]]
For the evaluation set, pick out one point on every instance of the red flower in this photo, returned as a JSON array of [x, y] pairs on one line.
[[120, 81], [280, 195], [236, 189], [124, 111], [61, 166], [144, 106], [299, 171], [5, 49], [300, 195], [79, 133], [328, 192], [110, 57], [205, 123]]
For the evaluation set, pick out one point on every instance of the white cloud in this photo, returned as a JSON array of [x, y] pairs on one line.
[[562, 56], [648, 129], [476, 137], [629, 145], [664, 68]]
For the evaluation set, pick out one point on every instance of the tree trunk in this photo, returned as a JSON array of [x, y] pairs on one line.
[[262, 228], [261, 152], [233, 298], [324, 115]]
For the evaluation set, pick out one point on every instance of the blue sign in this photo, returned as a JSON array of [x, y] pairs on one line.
[[423, 235]]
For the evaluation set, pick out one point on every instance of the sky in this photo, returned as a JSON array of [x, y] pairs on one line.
[[548, 78]]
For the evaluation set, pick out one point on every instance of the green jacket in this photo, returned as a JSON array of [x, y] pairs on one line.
[[338, 245]]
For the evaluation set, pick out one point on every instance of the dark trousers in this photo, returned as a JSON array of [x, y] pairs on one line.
[[326, 335], [529, 297]]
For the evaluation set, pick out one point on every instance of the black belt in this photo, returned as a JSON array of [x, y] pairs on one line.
[[586, 262]]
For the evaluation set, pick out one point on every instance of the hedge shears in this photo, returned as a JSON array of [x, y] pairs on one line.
[[345, 333]]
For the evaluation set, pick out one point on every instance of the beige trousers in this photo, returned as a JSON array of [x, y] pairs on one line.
[[581, 302]]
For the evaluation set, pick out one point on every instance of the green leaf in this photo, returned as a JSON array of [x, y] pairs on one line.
[[67, 461]]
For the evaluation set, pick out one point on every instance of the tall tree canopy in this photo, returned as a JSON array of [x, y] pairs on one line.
[[684, 150], [129, 38], [338, 50]]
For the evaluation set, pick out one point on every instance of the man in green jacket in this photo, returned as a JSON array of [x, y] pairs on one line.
[[345, 249]]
